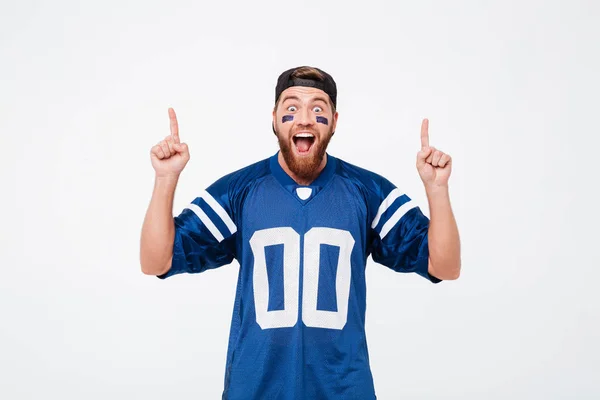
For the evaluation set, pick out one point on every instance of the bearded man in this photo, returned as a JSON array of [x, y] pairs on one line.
[[301, 223]]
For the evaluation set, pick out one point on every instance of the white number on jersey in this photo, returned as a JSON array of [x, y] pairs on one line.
[[313, 239]]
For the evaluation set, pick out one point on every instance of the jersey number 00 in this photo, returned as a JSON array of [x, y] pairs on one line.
[[290, 239]]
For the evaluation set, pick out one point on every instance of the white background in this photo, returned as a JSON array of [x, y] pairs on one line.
[[512, 92]]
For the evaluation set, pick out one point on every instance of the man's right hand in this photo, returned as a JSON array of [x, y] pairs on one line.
[[170, 156]]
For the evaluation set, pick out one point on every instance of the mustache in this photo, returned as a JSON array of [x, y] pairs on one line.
[[315, 132]]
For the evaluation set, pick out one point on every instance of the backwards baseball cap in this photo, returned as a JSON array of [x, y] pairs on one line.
[[327, 84]]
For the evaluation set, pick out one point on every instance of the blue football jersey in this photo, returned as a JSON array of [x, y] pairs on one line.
[[298, 324]]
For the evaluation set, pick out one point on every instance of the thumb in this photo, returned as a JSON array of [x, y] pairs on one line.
[[180, 147], [423, 154]]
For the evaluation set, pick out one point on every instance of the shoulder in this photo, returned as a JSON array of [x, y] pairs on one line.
[[236, 181], [374, 185], [228, 192], [381, 196]]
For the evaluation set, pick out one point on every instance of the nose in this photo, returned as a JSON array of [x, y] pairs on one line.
[[304, 117]]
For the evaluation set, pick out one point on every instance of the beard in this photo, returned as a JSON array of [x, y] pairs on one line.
[[305, 168]]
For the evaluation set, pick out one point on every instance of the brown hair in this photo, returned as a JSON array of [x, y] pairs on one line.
[[307, 73]]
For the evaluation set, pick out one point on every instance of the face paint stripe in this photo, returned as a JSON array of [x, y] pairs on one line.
[[287, 118], [322, 120]]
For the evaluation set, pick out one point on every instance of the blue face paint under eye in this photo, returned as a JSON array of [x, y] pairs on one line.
[[322, 120], [287, 118]]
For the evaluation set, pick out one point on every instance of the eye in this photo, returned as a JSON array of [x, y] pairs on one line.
[[292, 108], [317, 109]]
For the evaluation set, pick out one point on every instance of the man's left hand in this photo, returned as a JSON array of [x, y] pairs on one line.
[[434, 166]]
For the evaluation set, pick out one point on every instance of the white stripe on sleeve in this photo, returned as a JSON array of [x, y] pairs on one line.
[[404, 208], [206, 221], [219, 210], [389, 200]]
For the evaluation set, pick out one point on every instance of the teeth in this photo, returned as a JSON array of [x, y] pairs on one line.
[[308, 135]]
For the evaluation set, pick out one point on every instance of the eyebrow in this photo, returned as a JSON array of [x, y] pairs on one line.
[[320, 99], [286, 98]]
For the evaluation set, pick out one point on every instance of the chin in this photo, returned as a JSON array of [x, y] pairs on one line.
[[304, 164]]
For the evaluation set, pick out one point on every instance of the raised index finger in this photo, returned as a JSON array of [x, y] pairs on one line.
[[425, 133], [174, 126]]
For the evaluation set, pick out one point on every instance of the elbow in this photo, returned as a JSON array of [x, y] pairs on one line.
[[153, 268], [447, 272], [452, 276], [455, 272], [146, 269], [448, 276]]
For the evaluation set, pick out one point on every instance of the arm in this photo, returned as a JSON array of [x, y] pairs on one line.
[[444, 241], [168, 157], [434, 169], [158, 230]]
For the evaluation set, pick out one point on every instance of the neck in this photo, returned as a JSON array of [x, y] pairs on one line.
[[297, 179]]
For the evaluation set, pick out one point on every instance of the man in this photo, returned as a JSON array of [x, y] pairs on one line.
[[301, 224]]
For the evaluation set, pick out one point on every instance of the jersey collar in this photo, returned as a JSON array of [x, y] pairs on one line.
[[288, 183]]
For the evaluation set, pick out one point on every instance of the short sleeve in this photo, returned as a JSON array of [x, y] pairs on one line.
[[400, 234], [204, 234]]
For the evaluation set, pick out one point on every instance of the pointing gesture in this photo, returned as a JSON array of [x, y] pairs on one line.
[[424, 134], [170, 156], [174, 126], [434, 166]]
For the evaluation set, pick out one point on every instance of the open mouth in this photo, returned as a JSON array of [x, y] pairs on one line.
[[304, 142]]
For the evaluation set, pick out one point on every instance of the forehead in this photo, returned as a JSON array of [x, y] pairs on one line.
[[304, 93]]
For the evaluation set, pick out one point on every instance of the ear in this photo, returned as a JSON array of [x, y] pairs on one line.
[[335, 118], [274, 122]]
